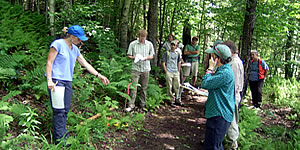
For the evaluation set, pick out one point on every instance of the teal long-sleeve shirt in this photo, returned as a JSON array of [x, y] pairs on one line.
[[221, 97]]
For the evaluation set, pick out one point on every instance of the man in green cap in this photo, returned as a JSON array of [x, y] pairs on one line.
[[220, 103]]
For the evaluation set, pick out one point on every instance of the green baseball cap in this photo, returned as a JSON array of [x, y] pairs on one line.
[[217, 42], [221, 50]]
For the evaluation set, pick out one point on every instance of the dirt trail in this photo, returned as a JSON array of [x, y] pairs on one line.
[[171, 128]]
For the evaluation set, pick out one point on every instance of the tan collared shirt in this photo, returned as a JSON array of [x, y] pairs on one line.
[[238, 70], [146, 49]]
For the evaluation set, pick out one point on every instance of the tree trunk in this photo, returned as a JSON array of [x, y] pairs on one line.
[[52, 17], [124, 24], [250, 16], [46, 11], [186, 36], [38, 6], [145, 17], [68, 6], [288, 56], [152, 25], [26, 4], [161, 26], [172, 20]]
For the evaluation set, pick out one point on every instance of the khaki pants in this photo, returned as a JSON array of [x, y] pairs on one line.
[[144, 84], [172, 79], [233, 130]]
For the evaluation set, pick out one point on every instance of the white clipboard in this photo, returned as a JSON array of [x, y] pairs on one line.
[[57, 97]]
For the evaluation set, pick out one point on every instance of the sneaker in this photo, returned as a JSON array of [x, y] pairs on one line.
[[128, 109], [173, 105], [234, 145], [252, 107], [179, 104]]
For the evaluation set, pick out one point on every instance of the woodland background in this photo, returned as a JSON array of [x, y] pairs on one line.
[[29, 26]]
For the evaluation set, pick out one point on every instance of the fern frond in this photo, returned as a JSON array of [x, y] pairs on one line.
[[4, 105], [5, 120], [7, 72], [7, 61], [11, 94]]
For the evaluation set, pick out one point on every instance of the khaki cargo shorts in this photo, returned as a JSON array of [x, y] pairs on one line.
[[193, 68]]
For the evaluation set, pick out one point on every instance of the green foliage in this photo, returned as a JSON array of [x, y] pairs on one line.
[[255, 136], [18, 109], [283, 92], [11, 94], [29, 122]]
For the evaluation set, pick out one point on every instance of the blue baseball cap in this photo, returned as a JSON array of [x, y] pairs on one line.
[[77, 31]]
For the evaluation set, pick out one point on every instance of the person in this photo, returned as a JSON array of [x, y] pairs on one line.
[[192, 52], [167, 44], [238, 70], [208, 56], [219, 106], [179, 49], [59, 71], [141, 51], [258, 73], [171, 65]]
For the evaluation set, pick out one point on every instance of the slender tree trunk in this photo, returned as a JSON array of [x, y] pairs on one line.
[[46, 11], [67, 7], [250, 16], [124, 24], [115, 16], [52, 17], [172, 20], [26, 4], [38, 6], [145, 17], [161, 26], [152, 25], [288, 56]]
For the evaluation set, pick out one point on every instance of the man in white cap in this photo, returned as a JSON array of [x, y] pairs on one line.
[[258, 72]]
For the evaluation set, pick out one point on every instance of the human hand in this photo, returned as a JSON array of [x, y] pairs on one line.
[[104, 80], [51, 85], [143, 58], [138, 57], [65, 30], [211, 63]]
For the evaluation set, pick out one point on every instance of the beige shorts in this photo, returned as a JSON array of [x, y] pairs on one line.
[[193, 68]]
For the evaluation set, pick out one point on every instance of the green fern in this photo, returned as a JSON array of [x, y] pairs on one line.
[[7, 61], [18, 109], [4, 105], [11, 94], [7, 73], [5, 120]]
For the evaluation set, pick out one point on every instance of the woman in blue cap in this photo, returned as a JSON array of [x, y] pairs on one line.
[[59, 70], [220, 103]]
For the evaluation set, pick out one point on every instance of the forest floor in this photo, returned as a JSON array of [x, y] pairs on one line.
[[182, 128], [167, 128], [179, 128]]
